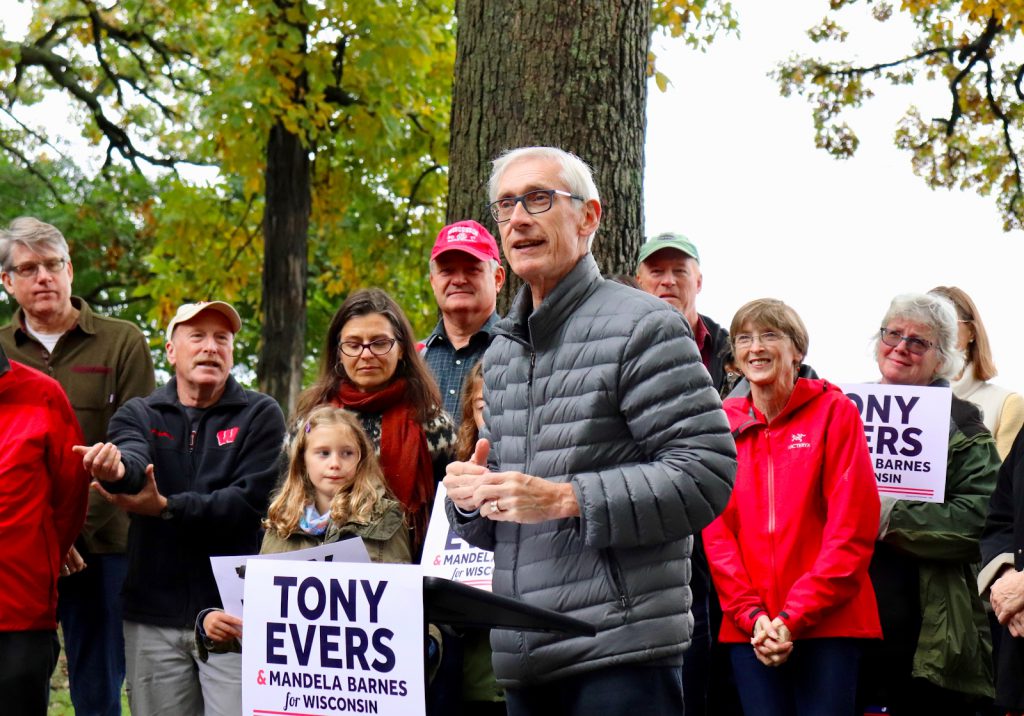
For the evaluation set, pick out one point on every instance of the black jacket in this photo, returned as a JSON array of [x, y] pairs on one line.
[[217, 491], [1004, 534], [720, 350]]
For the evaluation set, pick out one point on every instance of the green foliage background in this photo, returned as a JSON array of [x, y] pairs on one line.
[[972, 47], [158, 87]]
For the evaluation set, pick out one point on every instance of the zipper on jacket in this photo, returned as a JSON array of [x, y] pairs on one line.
[[771, 511], [193, 441], [526, 462], [529, 414], [616, 573]]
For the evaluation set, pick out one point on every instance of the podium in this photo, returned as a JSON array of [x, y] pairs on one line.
[[326, 637], [458, 605]]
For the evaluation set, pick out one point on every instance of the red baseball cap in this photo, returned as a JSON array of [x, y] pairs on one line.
[[467, 236]]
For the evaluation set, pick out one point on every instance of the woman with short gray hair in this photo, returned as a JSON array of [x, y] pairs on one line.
[[934, 315], [937, 652]]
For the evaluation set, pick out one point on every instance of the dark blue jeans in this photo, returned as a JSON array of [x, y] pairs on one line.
[[27, 659], [89, 610], [818, 679], [615, 691]]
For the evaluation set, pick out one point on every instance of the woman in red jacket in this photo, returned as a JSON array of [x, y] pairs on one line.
[[789, 555]]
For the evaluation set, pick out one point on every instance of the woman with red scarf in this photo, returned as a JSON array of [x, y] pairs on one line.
[[371, 367]]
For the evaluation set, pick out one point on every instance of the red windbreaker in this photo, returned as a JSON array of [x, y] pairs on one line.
[[797, 535], [43, 495]]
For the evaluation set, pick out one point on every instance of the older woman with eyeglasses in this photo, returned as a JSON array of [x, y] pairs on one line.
[[936, 657], [371, 366], [790, 553]]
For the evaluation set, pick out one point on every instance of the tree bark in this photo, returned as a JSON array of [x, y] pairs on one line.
[[286, 215], [564, 73], [285, 235]]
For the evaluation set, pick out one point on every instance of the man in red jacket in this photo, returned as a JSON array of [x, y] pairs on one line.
[[43, 495]]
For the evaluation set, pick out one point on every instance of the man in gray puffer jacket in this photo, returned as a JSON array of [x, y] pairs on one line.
[[613, 451]]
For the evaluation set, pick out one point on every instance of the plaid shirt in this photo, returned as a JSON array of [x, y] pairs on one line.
[[451, 366]]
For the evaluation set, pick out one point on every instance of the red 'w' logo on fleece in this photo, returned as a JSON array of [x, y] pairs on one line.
[[226, 436]]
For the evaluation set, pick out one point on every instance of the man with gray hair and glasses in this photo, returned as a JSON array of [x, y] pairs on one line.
[[591, 477], [101, 363]]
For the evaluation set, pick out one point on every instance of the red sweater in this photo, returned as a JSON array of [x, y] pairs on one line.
[[797, 535], [43, 495]]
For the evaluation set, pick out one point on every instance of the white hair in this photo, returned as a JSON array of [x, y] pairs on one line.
[[939, 314], [577, 175]]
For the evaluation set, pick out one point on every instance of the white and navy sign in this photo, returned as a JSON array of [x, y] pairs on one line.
[[229, 572], [907, 429], [446, 555], [326, 638]]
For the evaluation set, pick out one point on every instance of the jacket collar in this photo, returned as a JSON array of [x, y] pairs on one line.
[[86, 320], [439, 331], [743, 415], [719, 336], [968, 384], [530, 326], [233, 394]]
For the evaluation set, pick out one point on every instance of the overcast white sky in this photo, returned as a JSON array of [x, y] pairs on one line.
[[732, 164]]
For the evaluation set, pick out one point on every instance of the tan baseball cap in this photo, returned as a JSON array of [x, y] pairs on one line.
[[188, 311]]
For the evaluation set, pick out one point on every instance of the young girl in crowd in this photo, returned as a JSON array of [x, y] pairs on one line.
[[472, 413], [334, 488]]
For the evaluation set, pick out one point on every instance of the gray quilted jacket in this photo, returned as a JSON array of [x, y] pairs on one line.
[[601, 386]]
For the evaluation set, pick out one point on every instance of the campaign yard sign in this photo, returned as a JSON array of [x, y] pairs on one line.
[[907, 429], [327, 638], [229, 571], [446, 555]]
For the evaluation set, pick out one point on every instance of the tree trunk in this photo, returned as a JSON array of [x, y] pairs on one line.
[[285, 234], [564, 73]]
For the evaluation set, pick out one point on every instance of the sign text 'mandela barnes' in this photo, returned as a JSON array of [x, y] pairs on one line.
[[334, 646]]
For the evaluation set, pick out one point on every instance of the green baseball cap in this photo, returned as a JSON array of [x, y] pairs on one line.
[[667, 240]]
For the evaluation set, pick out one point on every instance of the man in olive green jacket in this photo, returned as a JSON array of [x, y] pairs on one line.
[[100, 362]]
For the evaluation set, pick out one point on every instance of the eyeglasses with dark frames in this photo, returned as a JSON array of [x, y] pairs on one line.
[[915, 345], [535, 202], [379, 347], [31, 269]]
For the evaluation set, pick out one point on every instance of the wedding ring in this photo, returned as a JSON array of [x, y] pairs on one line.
[[495, 506]]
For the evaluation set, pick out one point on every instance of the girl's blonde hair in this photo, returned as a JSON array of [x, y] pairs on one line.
[[353, 503]]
